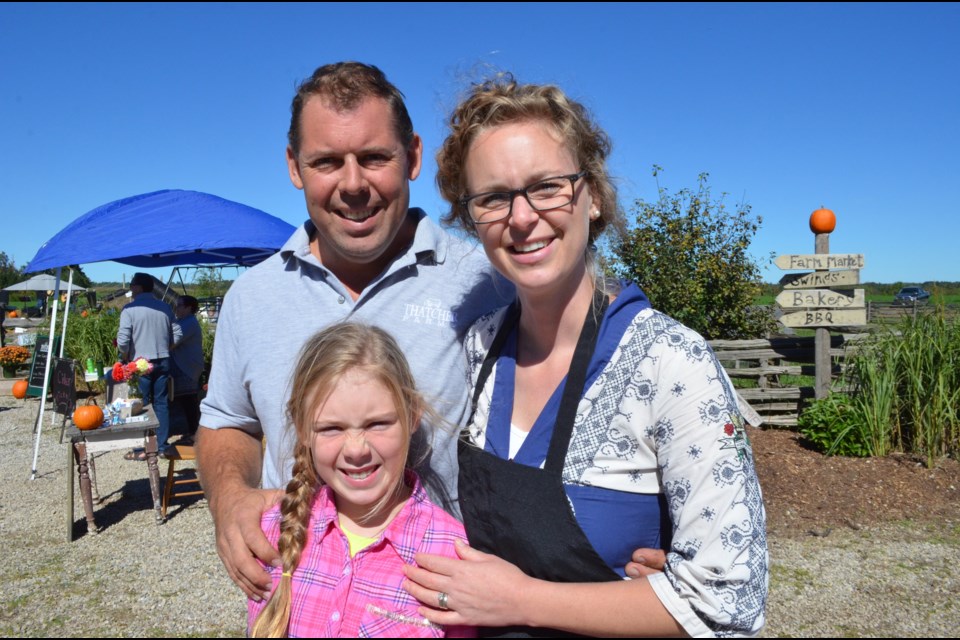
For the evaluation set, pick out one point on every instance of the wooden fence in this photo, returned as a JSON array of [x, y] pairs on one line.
[[766, 361], [882, 312]]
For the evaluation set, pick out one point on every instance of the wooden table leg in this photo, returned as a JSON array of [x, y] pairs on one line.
[[95, 491], [154, 472], [80, 453]]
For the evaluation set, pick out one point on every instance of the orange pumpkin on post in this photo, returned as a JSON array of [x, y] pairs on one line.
[[823, 221], [87, 417]]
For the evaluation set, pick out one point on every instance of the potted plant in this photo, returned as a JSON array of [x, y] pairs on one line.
[[11, 358]]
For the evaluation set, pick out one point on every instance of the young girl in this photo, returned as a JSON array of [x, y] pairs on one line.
[[355, 512]]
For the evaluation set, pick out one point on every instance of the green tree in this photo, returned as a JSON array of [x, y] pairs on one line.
[[208, 282], [690, 256], [9, 272]]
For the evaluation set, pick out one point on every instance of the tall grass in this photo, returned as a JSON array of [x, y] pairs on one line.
[[93, 337], [905, 394]]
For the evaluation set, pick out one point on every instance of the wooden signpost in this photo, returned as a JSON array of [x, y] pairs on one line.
[[822, 298]]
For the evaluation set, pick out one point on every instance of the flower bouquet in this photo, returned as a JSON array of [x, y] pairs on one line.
[[131, 372]]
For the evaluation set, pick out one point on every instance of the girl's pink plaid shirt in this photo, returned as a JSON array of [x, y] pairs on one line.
[[335, 595]]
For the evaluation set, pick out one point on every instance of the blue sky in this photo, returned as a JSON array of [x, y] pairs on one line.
[[788, 107]]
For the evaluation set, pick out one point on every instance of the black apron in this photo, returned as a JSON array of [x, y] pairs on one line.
[[521, 513]]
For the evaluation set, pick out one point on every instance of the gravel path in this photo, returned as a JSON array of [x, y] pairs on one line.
[[139, 579]]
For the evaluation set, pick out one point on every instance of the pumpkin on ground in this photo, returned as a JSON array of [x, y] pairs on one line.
[[20, 389], [88, 416], [12, 314], [823, 221]]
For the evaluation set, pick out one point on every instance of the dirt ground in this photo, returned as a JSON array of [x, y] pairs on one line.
[[807, 493]]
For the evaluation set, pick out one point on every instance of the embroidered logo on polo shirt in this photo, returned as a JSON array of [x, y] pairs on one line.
[[432, 312]]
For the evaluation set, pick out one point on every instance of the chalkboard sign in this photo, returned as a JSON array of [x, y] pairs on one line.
[[39, 364], [63, 386]]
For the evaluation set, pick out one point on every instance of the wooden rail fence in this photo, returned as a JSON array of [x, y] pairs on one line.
[[880, 312], [765, 361]]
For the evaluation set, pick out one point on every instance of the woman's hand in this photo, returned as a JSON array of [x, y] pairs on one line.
[[481, 589]]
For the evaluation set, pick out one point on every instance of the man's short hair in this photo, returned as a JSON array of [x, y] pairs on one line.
[[190, 303], [142, 280], [345, 85]]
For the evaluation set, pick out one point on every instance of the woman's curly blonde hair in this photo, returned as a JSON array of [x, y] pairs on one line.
[[502, 100]]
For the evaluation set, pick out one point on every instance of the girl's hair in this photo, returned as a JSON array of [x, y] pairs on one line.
[[324, 359], [502, 100]]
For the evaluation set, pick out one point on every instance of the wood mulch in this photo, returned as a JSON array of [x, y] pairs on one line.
[[808, 493]]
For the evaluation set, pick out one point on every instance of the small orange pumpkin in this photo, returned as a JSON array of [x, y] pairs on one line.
[[84, 314], [20, 389], [89, 416], [12, 314], [823, 221]]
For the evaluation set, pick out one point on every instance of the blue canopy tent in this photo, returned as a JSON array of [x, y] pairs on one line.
[[172, 227], [166, 228]]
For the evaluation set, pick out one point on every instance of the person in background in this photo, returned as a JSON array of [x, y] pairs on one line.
[[354, 512], [188, 364], [600, 424], [146, 331]]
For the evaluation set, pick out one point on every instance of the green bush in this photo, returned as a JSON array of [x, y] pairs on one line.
[[691, 257], [833, 425], [905, 394]]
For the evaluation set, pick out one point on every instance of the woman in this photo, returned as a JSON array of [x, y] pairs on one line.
[[188, 363], [600, 425]]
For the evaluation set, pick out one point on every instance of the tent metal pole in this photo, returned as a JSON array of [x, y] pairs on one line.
[[46, 373], [66, 313]]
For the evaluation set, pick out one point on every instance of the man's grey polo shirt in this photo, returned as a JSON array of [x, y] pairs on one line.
[[427, 299]]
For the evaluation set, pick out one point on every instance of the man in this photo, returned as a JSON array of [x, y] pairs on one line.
[[146, 331], [188, 364], [362, 255]]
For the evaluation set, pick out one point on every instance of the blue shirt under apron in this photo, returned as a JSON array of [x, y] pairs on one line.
[[615, 522]]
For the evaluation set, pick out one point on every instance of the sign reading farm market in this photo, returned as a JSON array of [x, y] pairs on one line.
[[821, 261]]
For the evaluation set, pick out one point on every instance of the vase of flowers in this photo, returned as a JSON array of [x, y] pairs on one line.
[[130, 373], [11, 359]]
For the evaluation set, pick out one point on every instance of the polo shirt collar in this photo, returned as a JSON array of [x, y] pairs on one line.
[[428, 244]]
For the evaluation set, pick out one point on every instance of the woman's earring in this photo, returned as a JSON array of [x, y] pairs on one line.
[[594, 214]]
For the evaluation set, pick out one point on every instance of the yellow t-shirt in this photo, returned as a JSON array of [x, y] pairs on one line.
[[357, 543]]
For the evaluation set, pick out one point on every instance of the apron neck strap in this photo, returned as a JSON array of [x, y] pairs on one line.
[[573, 387], [576, 375]]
